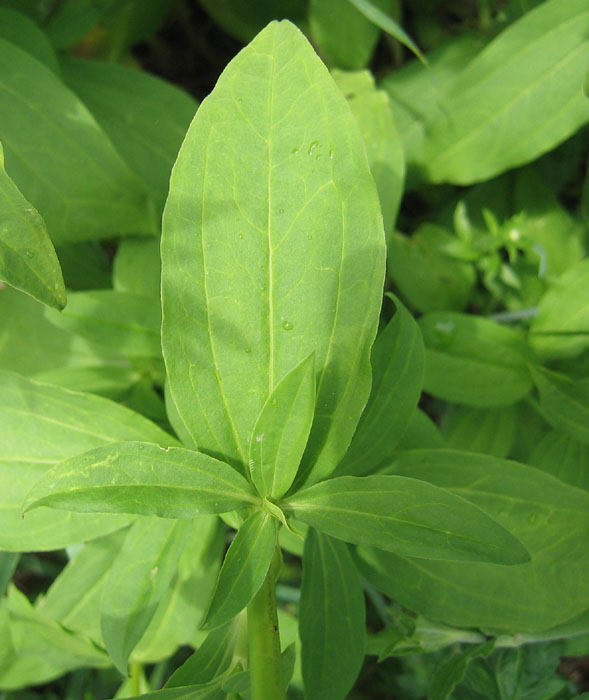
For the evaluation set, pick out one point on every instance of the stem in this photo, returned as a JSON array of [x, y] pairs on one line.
[[135, 679], [265, 663]]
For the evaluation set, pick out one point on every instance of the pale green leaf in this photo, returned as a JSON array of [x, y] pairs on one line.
[[474, 361], [20, 30], [561, 326], [549, 517], [520, 97], [145, 117], [62, 161], [41, 425], [564, 402], [383, 21], [144, 479], [281, 431], [372, 109], [407, 516], [245, 567], [117, 321], [140, 576], [332, 619], [27, 257], [273, 248], [397, 374], [137, 268]]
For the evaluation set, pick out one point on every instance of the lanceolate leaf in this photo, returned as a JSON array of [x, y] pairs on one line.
[[406, 516], [397, 367], [496, 114], [281, 431], [273, 248], [138, 580], [80, 185], [27, 257], [244, 569], [142, 478], [332, 619], [41, 425]]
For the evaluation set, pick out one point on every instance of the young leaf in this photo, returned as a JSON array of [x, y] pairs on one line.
[[564, 402], [474, 361], [245, 567], [139, 578], [406, 516], [119, 321], [332, 619], [273, 248], [397, 374], [496, 115], [450, 673], [145, 117], [549, 517], [27, 257], [41, 425], [142, 478], [281, 431], [80, 186]]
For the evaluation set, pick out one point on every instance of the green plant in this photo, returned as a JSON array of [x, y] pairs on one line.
[[283, 414]]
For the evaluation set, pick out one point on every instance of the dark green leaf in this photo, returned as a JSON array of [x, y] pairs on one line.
[[450, 673], [24, 33], [407, 516], [563, 457], [144, 479], [332, 619], [486, 430]]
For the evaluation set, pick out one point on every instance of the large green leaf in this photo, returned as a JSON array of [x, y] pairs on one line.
[[564, 402], [244, 569], [561, 326], [397, 375], [118, 321], [20, 30], [372, 109], [145, 117], [281, 431], [138, 580], [39, 426], [407, 516], [61, 160], [549, 517], [332, 619], [27, 257], [474, 361], [520, 97], [273, 248], [144, 479]]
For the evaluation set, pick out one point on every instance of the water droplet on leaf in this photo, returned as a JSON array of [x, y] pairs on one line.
[[30, 254], [287, 325]]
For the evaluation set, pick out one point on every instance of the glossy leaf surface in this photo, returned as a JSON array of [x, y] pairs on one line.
[[407, 516], [332, 619], [273, 248], [281, 431], [245, 567], [496, 114], [144, 479], [474, 361], [41, 425], [80, 186], [27, 257]]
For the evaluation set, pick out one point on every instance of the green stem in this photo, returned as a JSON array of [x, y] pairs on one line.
[[265, 664], [135, 679]]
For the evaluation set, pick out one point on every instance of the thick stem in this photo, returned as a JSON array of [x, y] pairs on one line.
[[265, 664]]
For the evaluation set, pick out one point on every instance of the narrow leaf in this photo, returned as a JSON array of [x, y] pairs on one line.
[[273, 248], [496, 115], [245, 567], [447, 677], [332, 619], [207, 691], [564, 402], [138, 580], [41, 425], [398, 360], [27, 257], [406, 516], [281, 431], [142, 478]]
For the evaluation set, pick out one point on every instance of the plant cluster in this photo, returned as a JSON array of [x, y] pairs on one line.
[[228, 468]]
